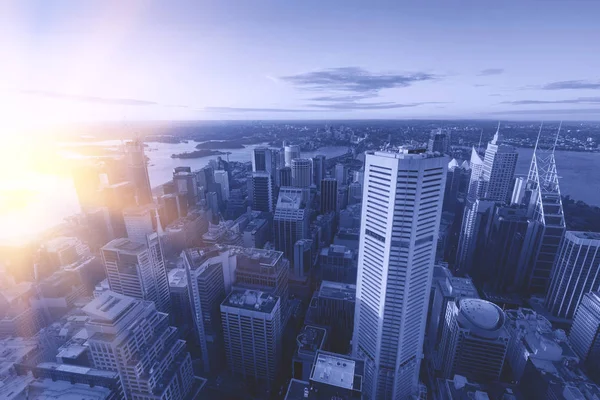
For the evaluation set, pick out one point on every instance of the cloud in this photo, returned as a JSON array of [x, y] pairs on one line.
[[579, 100], [89, 99], [354, 79], [387, 105], [354, 97], [245, 109], [573, 111], [495, 95], [566, 85], [480, 85], [491, 71]]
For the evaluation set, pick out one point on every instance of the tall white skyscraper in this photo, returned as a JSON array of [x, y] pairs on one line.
[[576, 272], [139, 222], [222, 178], [301, 172], [585, 332], [291, 152], [137, 170], [138, 270], [401, 213], [499, 167], [340, 174]]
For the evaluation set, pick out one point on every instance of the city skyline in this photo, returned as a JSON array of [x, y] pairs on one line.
[[223, 60]]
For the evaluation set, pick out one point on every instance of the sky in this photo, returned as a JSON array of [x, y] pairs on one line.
[[73, 61]]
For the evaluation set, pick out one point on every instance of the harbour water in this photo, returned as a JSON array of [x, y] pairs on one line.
[[53, 198]]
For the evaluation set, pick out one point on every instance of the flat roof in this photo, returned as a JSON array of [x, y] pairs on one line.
[[311, 339], [333, 370], [337, 290], [253, 300], [177, 278], [585, 235], [139, 210], [298, 390], [108, 306], [123, 245]]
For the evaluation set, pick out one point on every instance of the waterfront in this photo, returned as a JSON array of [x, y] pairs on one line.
[[54, 198]]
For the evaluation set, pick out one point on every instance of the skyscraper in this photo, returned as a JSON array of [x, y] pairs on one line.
[[252, 332], [340, 174], [137, 170], [499, 167], [291, 152], [576, 272], [438, 141], [138, 270], [475, 341], [301, 172], [290, 222], [222, 178], [263, 192], [585, 332], [185, 184], [476, 183], [318, 169], [474, 231], [117, 198], [139, 222], [400, 219], [329, 195], [284, 176], [129, 336], [261, 160]]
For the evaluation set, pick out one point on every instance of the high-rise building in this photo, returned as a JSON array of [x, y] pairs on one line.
[[291, 152], [499, 167], [303, 257], [185, 184], [547, 221], [475, 341], [519, 190], [474, 231], [439, 141], [252, 332], [263, 192], [284, 176], [342, 198], [576, 272], [138, 270], [329, 195], [355, 193], [205, 177], [318, 169], [399, 228], [117, 198], [338, 264], [585, 332], [180, 301], [222, 178], [340, 174], [129, 336], [290, 222], [137, 171], [301, 172], [457, 185], [476, 188], [262, 160], [139, 222]]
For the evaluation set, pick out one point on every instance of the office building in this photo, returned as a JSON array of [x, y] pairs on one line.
[[263, 160], [342, 198], [359, 176], [457, 185], [476, 189], [252, 333], [222, 178], [499, 166], [329, 195], [290, 222], [519, 190], [318, 169], [256, 233], [180, 301], [547, 221], [340, 174], [474, 341], [474, 232], [310, 340], [445, 289], [139, 222], [301, 172], [117, 198], [576, 272], [137, 171], [585, 332], [138, 270], [209, 280], [284, 176], [303, 257], [291, 152], [173, 207], [185, 184], [263, 192], [531, 336], [338, 264], [439, 141], [129, 336], [355, 193], [399, 232], [17, 317]]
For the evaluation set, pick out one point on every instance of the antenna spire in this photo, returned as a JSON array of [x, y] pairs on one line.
[[538, 138], [556, 138], [480, 136]]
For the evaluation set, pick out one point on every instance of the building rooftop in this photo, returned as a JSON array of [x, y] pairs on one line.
[[139, 211], [71, 351], [333, 370], [298, 390], [15, 350], [177, 278], [255, 225], [480, 315], [591, 236], [109, 306], [290, 198], [310, 339], [77, 369], [123, 245], [253, 300], [265, 258], [47, 389], [336, 290], [405, 152]]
